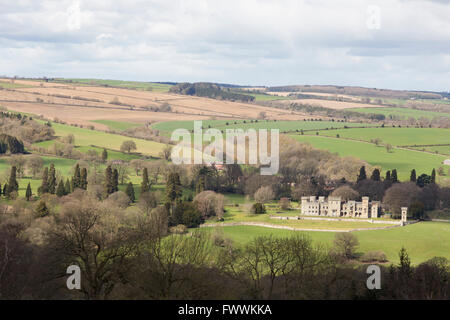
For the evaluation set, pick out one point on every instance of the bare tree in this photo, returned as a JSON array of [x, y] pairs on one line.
[[87, 234], [264, 194]]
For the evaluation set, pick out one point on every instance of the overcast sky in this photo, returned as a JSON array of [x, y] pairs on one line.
[[398, 44]]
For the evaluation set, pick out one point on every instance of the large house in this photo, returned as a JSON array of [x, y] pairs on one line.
[[335, 207]]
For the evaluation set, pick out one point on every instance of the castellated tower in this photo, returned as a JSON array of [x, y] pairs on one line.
[[334, 206], [374, 209], [365, 207], [404, 214]]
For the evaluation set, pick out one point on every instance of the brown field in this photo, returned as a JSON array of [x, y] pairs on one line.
[[77, 111]]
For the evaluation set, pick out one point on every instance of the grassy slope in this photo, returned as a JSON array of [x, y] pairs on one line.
[[402, 160], [423, 240], [118, 125], [436, 149], [86, 137], [169, 126], [396, 136], [404, 113]]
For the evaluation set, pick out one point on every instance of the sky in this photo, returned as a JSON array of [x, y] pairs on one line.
[[395, 44]]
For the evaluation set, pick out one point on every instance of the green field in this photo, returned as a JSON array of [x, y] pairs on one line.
[[436, 149], [118, 125], [400, 113], [395, 136], [112, 154], [86, 138], [423, 240], [284, 126], [402, 160], [9, 85], [158, 87], [264, 97]]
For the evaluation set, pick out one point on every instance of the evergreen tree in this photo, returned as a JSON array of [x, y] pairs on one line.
[[173, 187], [413, 177], [109, 187], [405, 263], [388, 175], [115, 180], [433, 176], [362, 174], [13, 186], [376, 175], [145, 185], [173, 192], [44, 186], [60, 191], [201, 184], [76, 177], [41, 209], [104, 155], [394, 178], [51, 183], [67, 187], [83, 181], [5, 190], [130, 192], [28, 193]]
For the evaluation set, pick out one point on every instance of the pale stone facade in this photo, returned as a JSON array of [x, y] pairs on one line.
[[404, 214], [335, 207]]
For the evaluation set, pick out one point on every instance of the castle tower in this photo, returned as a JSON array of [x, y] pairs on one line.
[[365, 207], [305, 203], [404, 214], [374, 209], [334, 206]]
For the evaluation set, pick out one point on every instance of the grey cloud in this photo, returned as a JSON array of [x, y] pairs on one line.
[[244, 42]]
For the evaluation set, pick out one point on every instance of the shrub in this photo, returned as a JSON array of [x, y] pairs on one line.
[[219, 239], [258, 208], [374, 256], [285, 204], [179, 229]]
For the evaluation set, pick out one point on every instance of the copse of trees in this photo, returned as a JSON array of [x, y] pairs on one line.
[[209, 90], [10, 144]]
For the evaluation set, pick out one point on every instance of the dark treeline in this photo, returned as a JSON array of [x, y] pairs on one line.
[[209, 90], [9, 144]]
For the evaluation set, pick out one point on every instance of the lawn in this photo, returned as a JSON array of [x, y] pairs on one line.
[[423, 240], [239, 214], [402, 160], [402, 113]]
